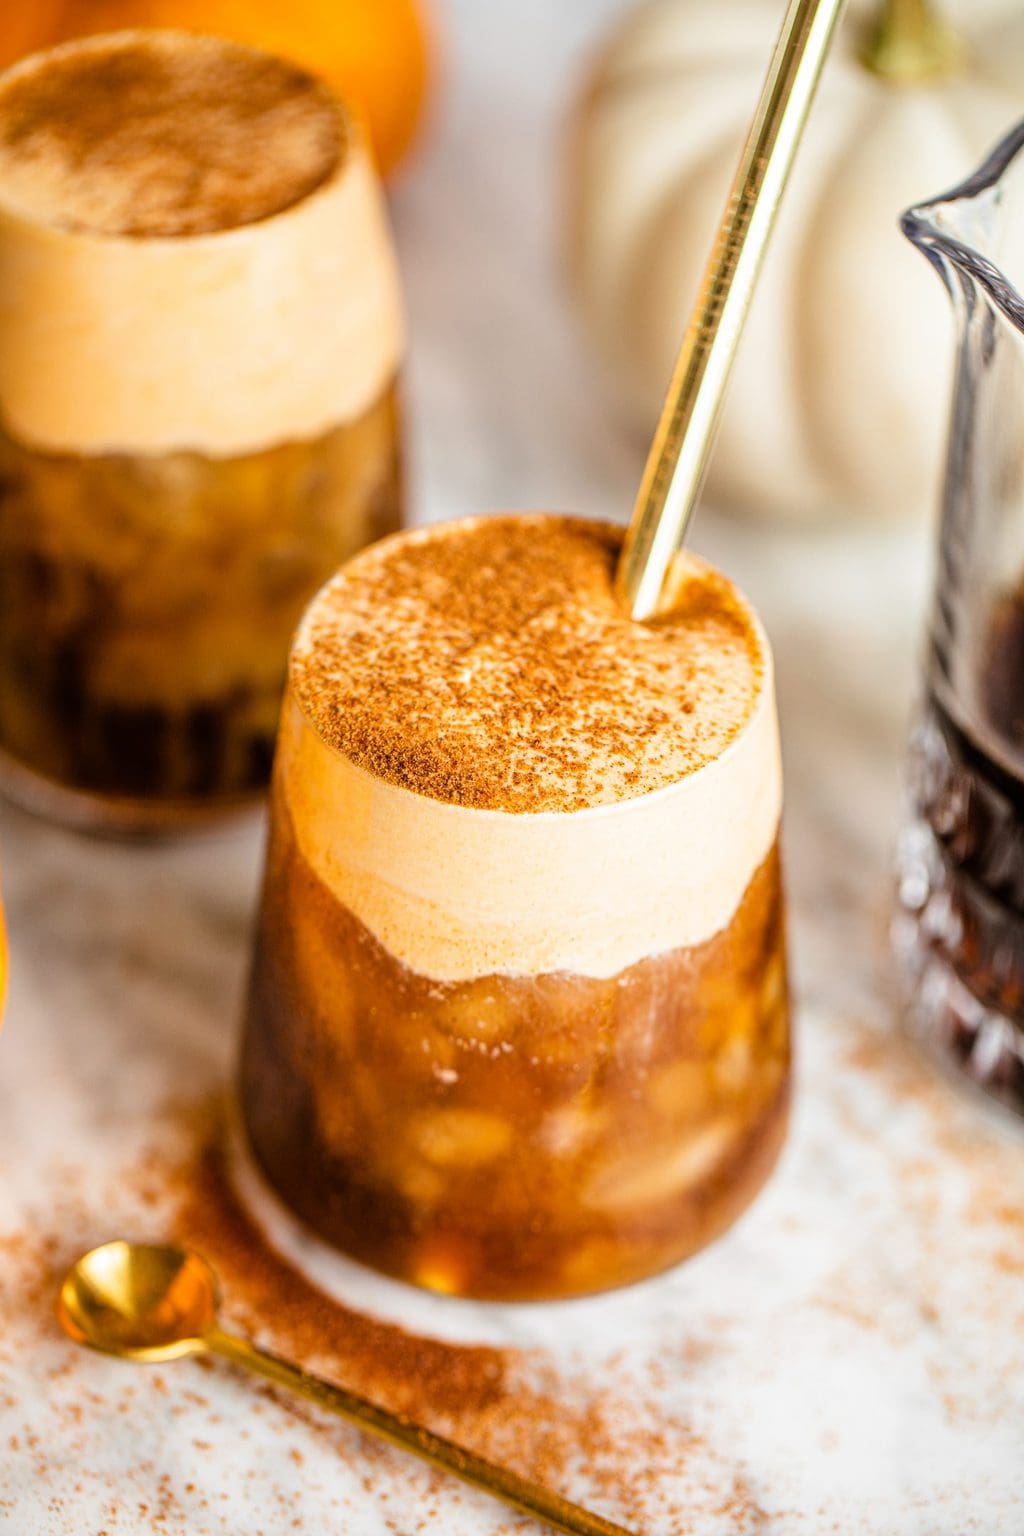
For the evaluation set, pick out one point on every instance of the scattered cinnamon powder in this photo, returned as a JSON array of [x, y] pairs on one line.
[[407, 1372], [163, 134], [488, 663], [600, 1433], [510, 1406], [605, 1440]]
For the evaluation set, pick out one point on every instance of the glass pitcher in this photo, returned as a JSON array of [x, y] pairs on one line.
[[959, 925]]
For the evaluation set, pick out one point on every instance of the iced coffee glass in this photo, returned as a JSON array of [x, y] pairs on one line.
[[200, 330], [517, 1024]]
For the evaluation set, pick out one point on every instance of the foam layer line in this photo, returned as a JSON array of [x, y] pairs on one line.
[[222, 342], [498, 772], [456, 893]]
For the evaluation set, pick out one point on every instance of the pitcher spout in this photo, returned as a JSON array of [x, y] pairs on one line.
[[964, 237]]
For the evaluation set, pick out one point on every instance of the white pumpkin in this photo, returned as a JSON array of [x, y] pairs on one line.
[[840, 394]]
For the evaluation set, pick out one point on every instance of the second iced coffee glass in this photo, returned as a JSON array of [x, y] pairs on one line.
[[200, 330], [517, 1024]]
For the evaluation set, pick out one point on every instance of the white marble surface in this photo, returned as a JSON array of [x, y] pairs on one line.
[[851, 1357]]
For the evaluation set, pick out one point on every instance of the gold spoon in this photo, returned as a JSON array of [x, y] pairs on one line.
[[145, 1302]]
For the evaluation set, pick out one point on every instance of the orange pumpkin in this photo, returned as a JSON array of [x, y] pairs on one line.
[[375, 53]]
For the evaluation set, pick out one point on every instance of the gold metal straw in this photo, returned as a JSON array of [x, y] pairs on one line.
[[682, 443]]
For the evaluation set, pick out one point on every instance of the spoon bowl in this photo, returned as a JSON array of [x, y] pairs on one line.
[[141, 1301]]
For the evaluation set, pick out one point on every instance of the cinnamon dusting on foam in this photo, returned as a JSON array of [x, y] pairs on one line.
[[487, 664], [150, 135], [194, 252]]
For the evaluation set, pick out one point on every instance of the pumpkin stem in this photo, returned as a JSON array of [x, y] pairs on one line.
[[912, 44]]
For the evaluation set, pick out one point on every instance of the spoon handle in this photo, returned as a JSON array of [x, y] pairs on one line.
[[528, 1497]]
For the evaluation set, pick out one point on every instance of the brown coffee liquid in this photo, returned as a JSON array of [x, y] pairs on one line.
[[962, 875], [147, 601]]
